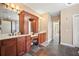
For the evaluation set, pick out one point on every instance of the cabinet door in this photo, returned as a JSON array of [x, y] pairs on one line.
[[28, 43], [44, 37], [8, 47], [20, 46], [41, 38], [8, 50]]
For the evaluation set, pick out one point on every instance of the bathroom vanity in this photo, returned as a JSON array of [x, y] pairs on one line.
[[12, 23], [15, 45]]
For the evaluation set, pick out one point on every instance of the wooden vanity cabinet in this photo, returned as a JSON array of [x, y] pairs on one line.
[[15, 46], [0, 48], [20, 46], [41, 37], [8, 47], [28, 43]]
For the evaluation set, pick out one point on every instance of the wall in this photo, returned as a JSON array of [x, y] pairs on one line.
[[66, 23], [43, 22], [46, 25]]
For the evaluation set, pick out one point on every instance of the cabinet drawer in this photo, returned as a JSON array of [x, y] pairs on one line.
[[41, 37], [8, 50]]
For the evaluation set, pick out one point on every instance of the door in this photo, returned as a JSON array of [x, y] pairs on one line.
[[20, 46], [28, 43], [76, 30], [56, 32], [8, 47]]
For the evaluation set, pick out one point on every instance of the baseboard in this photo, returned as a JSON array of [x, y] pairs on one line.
[[70, 45], [46, 43]]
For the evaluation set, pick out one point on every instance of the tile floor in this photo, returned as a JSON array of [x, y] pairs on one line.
[[53, 49]]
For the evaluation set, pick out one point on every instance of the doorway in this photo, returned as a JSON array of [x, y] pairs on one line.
[[56, 32], [76, 30]]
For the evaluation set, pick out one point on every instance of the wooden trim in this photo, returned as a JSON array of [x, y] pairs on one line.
[[59, 30]]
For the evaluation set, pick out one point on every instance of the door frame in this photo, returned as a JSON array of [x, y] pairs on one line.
[[58, 30], [73, 30]]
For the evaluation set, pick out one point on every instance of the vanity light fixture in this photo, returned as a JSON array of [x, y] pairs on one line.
[[12, 7]]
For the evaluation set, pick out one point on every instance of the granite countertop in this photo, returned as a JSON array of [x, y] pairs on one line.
[[9, 37], [3, 37]]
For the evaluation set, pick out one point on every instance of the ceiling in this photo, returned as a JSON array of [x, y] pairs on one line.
[[51, 8]]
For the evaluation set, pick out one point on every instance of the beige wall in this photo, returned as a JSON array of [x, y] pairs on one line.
[[66, 23], [44, 22]]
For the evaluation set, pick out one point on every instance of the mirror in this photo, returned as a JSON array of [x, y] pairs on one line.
[[5, 26], [9, 21], [28, 22]]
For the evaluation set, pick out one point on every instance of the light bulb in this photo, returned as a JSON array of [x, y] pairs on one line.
[[12, 5], [17, 7]]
